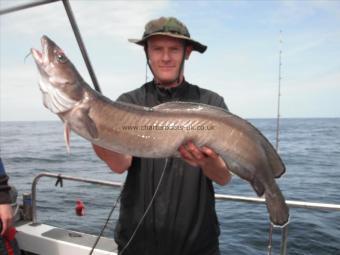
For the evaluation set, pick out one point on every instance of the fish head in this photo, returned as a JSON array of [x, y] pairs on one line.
[[59, 81]]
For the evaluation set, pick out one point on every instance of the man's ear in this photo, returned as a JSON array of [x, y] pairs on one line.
[[188, 51]]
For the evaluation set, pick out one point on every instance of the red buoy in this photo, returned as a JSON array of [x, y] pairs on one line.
[[80, 208]]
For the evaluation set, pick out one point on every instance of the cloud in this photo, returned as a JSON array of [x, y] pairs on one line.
[[20, 97], [307, 41], [315, 83], [290, 12], [241, 65], [30, 20], [312, 96], [115, 19], [330, 6]]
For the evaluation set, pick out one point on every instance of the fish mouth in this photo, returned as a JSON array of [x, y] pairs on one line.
[[39, 56]]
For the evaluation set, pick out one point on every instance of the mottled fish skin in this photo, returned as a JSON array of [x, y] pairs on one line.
[[159, 131]]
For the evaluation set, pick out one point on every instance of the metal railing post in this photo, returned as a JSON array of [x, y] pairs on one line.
[[81, 44], [25, 6], [270, 239], [290, 203], [63, 177], [284, 240]]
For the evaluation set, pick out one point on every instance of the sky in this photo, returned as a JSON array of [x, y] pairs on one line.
[[241, 63]]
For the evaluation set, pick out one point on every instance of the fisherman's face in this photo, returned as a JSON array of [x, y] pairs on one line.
[[165, 58]]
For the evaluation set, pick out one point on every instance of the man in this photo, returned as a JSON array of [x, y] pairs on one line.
[[182, 218], [5, 201]]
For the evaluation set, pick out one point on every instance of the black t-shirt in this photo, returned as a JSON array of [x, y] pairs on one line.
[[182, 219]]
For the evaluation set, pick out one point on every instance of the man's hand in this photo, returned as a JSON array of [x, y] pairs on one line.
[[6, 216], [204, 157]]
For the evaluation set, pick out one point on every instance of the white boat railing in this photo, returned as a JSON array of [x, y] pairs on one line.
[[64, 177], [222, 197], [290, 203]]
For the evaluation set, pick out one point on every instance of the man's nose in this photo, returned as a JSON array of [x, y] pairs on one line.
[[166, 55]]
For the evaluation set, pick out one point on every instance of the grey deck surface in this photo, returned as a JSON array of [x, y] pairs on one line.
[[81, 239]]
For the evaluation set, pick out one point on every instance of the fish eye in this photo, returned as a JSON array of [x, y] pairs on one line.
[[61, 58]]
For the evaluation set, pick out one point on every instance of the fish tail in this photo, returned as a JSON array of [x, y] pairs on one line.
[[277, 207]]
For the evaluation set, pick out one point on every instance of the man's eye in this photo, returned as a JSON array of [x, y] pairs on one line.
[[61, 58]]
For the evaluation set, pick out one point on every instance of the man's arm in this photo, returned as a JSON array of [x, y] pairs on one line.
[[118, 163], [6, 216], [211, 163]]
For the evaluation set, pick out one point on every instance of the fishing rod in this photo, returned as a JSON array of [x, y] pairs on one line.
[[277, 141], [279, 96]]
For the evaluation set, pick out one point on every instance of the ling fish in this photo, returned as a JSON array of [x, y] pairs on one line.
[[158, 132]]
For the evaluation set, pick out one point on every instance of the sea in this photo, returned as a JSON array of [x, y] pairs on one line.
[[310, 149]]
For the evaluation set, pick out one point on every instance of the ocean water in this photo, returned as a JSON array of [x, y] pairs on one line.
[[310, 149]]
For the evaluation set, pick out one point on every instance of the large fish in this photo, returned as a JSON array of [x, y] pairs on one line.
[[159, 131]]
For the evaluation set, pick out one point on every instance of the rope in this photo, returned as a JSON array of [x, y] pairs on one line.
[[105, 225], [140, 221]]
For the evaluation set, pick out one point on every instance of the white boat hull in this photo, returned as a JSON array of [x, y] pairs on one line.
[[44, 239]]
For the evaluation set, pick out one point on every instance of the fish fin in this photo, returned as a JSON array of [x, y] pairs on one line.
[[277, 207], [190, 106], [240, 171], [67, 132], [258, 187], [276, 164], [83, 120], [177, 105], [91, 127]]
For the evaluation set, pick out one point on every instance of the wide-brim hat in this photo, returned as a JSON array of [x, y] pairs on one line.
[[171, 27]]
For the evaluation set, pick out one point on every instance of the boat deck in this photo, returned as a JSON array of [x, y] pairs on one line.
[[46, 239]]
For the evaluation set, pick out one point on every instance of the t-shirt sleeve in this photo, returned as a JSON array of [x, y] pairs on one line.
[[133, 97], [220, 103], [212, 98], [217, 100], [126, 98]]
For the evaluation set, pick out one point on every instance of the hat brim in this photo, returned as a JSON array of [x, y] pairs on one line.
[[201, 48]]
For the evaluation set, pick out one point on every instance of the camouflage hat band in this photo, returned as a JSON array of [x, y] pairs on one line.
[[168, 27]]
